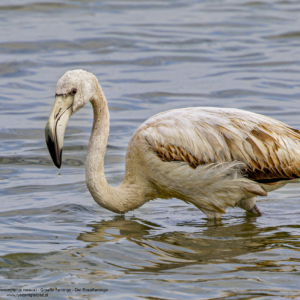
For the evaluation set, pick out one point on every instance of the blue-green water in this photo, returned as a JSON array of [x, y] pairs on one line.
[[149, 56]]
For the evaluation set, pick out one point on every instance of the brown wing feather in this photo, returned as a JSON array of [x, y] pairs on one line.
[[266, 159]]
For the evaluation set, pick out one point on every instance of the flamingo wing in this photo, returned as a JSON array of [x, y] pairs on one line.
[[269, 149]]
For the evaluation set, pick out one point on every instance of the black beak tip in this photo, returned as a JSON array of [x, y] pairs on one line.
[[57, 163], [55, 155]]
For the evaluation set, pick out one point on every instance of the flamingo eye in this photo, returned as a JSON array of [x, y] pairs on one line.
[[74, 91]]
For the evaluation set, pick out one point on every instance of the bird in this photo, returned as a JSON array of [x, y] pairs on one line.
[[210, 157]]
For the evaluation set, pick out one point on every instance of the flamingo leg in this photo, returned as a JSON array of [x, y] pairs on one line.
[[212, 214], [250, 206]]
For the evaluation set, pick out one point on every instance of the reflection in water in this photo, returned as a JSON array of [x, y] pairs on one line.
[[215, 241], [120, 248]]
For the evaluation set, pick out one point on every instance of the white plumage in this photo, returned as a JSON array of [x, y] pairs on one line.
[[210, 157]]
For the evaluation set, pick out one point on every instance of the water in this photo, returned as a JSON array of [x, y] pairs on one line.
[[149, 56]]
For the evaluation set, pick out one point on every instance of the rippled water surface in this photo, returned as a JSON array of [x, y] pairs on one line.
[[149, 56]]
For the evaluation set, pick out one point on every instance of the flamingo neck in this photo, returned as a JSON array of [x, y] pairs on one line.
[[120, 199]]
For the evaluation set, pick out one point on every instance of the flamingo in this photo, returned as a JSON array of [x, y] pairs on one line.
[[206, 156]]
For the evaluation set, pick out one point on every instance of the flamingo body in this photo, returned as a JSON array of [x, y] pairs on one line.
[[210, 157]]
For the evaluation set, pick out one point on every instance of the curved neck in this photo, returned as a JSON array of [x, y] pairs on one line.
[[123, 198], [98, 139]]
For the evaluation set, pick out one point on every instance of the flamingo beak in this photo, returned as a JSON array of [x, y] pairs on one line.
[[56, 126]]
